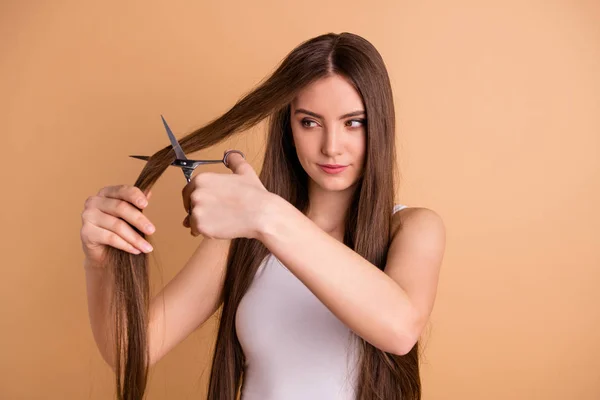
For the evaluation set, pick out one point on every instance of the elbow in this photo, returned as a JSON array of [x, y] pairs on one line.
[[109, 360], [403, 345], [405, 338]]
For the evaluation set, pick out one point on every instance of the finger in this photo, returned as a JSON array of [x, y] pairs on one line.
[[128, 193], [192, 223], [124, 210], [186, 223], [118, 227], [186, 193], [105, 237], [236, 162], [193, 231]]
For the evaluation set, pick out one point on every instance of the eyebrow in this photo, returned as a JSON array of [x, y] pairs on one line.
[[351, 114]]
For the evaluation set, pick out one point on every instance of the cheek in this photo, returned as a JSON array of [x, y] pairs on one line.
[[302, 152], [359, 147], [304, 145]]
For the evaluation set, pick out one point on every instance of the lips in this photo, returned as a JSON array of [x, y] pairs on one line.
[[332, 168], [333, 165]]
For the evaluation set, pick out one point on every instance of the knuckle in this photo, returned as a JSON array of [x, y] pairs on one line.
[[136, 192], [121, 207], [195, 196], [122, 189], [117, 225], [196, 216], [114, 240], [203, 178], [141, 219], [85, 214], [109, 238], [88, 202], [85, 232]]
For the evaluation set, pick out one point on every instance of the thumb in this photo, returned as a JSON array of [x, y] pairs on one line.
[[236, 162], [148, 193]]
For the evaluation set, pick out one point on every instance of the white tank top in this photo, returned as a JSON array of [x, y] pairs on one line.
[[295, 348]]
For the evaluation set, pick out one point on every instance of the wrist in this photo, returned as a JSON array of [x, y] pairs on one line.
[[272, 209], [89, 265]]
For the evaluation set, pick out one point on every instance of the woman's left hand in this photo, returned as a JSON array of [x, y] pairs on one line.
[[226, 206]]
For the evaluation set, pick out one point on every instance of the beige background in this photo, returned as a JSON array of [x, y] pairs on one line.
[[498, 107]]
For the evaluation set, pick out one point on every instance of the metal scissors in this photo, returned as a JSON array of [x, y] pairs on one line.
[[187, 166]]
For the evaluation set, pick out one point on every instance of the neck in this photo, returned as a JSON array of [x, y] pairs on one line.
[[328, 209]]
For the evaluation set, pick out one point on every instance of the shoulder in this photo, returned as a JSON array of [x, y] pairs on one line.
[[417, 220]]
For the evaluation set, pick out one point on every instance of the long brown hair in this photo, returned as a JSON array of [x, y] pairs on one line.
[[381, 375]]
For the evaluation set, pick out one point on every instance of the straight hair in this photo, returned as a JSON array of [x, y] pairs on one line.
[[367, 228]]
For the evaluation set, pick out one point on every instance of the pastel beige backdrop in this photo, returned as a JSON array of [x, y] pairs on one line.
[[498, 106]]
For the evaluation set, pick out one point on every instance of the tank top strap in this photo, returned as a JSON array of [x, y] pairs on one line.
[[399, 207]]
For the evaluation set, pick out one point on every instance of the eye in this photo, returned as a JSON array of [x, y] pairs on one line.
[[360, 121], [307, 121]]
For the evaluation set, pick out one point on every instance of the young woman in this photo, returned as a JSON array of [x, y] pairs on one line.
[[325, 284]]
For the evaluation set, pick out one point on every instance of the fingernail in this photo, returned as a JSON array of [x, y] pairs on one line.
[[142, 203], [147, 248], [150, 228]]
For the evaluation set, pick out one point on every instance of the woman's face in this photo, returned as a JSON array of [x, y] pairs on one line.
[[329, 127]]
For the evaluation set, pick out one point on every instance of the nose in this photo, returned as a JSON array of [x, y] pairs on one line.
[[332, 142]]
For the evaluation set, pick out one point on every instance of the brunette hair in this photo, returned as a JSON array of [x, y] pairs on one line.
[[381, 375]]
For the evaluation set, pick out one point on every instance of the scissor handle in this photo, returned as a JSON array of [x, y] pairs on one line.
[[187, 172], [229, 152]]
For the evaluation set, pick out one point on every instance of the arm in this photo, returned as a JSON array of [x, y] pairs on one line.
[[386, 308], [184, 304], [99, 284], [189, 299]]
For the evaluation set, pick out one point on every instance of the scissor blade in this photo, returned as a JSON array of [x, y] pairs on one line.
[[184, 163], [178, 151], [141, 157]]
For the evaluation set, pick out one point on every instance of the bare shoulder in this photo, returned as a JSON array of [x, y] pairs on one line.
[[417, 218]]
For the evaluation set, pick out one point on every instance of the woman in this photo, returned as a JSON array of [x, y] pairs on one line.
[[325, 285]]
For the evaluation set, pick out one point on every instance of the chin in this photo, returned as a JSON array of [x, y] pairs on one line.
[[334, 183], [334, 187]]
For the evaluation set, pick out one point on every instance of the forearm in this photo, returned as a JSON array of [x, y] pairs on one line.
[[99, 284], [362, 296]]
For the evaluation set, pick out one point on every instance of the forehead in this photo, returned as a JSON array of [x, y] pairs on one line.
[[332, 95]]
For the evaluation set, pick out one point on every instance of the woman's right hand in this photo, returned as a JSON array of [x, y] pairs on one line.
[[104, 222]]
